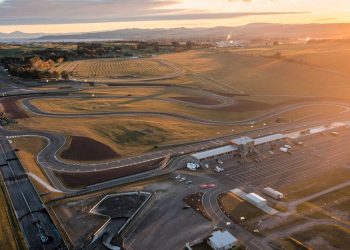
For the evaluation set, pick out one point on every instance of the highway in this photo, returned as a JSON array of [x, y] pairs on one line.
[[30, 211]]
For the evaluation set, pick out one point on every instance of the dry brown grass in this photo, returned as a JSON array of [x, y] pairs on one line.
[[29, 147], [135, 134], [325, 237], [83, 105], [255, 74], [7, 234], [110, 68], [236, 208], [333, 55], [314, 185], [126, 136]]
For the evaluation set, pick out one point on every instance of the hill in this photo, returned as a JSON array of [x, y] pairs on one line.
[[250, 31]]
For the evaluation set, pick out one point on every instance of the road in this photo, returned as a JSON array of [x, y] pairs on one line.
[[29, 208], [49, 160], [270, 114]]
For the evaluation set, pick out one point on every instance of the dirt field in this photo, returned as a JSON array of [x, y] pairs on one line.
[[87, 149], [123, 206], [79, 180], [10, 107], [76, 221], [195, 202], [235, 208], [114, 68]]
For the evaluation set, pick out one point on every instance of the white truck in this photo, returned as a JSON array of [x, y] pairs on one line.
[[273, 193]]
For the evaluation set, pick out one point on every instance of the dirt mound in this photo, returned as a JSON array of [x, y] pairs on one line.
[[12, 109], [197, 100], [87, 149], [79, 180]]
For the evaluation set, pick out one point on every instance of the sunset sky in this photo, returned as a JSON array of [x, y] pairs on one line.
[[68, 16]]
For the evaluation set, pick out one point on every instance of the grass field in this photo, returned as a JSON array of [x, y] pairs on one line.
[[242, 110], [254, 74], [332, 205], [313, 185], [29, 147], [126, 105], [124, 135], [114, 68], [9, 229], [135, 134], [325, 237], [331, 55]]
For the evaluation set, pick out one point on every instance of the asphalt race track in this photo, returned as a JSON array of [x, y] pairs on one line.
[[29, 209]]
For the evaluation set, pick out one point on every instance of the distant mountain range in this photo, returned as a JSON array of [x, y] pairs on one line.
[[250, 31], [20, 35]]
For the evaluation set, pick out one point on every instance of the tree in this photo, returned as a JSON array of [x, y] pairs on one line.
[[64, 75]]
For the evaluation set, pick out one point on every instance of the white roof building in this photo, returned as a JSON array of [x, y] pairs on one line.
[[214, 152], [222, 240], [256, 200], [269, 138]]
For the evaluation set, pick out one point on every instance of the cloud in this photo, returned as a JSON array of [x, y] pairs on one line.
[[13, 12], [40, 11]]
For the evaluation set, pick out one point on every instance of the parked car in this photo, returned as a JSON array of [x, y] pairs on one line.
[[258, 160]]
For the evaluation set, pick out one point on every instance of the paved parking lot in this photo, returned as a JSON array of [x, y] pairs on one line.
[[319, 153]]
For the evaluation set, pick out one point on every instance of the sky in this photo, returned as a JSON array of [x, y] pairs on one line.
[[72, 16]]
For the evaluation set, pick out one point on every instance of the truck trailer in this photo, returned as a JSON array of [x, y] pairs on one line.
[[273, 193]]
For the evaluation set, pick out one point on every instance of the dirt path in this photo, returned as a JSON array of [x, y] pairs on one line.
[[292, 206]]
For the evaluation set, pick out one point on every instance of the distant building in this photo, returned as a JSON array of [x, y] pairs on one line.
[[222, 240], [231, 43]]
